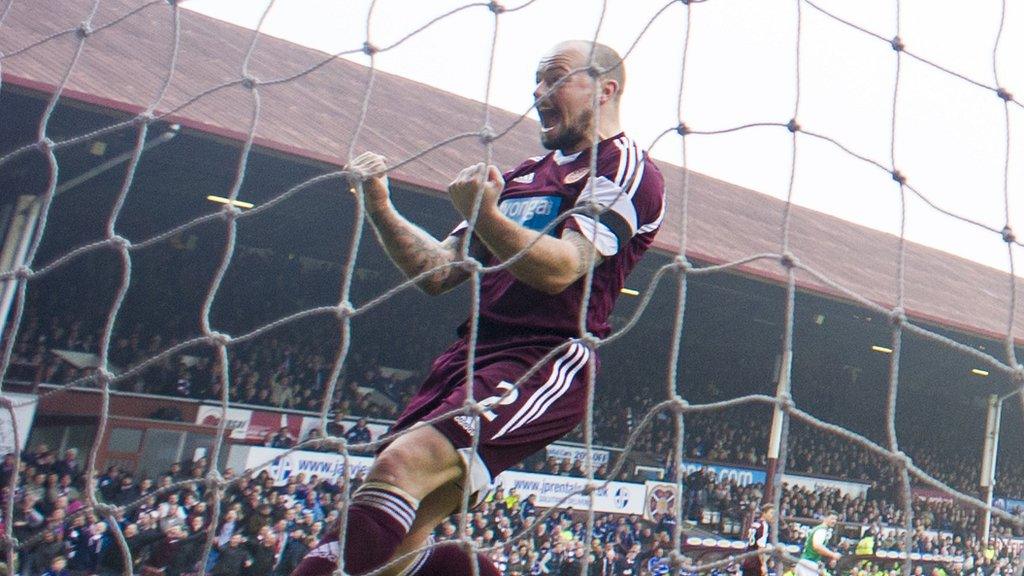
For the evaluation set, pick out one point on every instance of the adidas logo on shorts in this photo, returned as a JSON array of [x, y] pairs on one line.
[[468, 423]]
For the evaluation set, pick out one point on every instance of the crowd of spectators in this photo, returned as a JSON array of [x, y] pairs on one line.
[[289, 368], [263, 527], [288, 374]]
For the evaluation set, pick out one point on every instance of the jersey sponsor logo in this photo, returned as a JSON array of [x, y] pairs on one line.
[[524, 179], [576, 175], [534, 212]]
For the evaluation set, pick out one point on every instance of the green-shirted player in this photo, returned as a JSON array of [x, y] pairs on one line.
[[815, 547]]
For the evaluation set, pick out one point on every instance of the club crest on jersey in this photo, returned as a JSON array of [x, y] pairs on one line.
[[576, 175], [533, 212], [524, 179]]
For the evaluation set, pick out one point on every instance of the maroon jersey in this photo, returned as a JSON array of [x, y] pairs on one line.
[[630, 191], [757, 535], [757, 538]]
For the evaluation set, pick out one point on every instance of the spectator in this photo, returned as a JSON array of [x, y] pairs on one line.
[[359, 434], [58, 567], [38, 559], [282, 439], [231, 559]]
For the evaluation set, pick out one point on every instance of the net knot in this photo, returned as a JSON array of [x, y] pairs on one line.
[[344, 310], [249, 82], [793, 126], [682, 129], [471, 265], [22, 272], [45, 145], [219, 338], [487, 134], [788, 260], [1018, 374], [898, 316], [496, 7], [590, 488], [595, 208], [900, 457], [1008, 236], [898, 177], [214, 478], [590, 340], [897, 44], [118, 241], [473, 408], [785, 402], [682, 263], [104, 376], [229, 212], [144, 118], [1004, 94], [84, 30], [11, 542], [679, 404], [6, 402], [677, 559], [369, 49]]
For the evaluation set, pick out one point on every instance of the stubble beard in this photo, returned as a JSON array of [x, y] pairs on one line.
[[572, 135]]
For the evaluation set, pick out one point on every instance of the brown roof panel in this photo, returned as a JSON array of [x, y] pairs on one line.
[[124, 65]]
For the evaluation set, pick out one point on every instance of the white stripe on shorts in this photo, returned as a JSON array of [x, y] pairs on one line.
[[574, 356]]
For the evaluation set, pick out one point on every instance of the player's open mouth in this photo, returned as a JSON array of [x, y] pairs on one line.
[[548, 118]]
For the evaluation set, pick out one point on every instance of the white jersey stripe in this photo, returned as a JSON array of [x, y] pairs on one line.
[[629, 149], [653, 225], [638, 177], [548, 396], [572, 352], [622, 159]]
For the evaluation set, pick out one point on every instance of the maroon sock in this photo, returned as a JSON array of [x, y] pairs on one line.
[[378, 520], [451, 560]]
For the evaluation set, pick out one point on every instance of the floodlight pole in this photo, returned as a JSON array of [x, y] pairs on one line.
[[24, 217], [988, 457], [21, 226], [783, 365]]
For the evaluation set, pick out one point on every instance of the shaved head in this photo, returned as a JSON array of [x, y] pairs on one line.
[[573, 78], [606, 60]]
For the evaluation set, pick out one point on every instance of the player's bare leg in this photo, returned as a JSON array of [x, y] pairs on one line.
[[412, 486]]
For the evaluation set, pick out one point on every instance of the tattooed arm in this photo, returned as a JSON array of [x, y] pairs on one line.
[[411, 248]]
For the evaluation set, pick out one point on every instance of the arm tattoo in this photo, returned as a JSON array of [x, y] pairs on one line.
[[415, 251], [584, 250]]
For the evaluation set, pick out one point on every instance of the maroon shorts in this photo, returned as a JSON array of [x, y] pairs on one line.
[[519, 420]]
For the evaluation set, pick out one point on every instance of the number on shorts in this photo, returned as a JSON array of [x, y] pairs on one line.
[[509, 395]]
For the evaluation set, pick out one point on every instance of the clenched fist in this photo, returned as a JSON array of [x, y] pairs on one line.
[[370, 168], [474, 180]]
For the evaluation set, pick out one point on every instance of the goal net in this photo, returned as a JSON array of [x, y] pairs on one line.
[[114, 284]]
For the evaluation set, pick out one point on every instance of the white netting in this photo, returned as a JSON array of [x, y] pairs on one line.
[[680, 268]]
